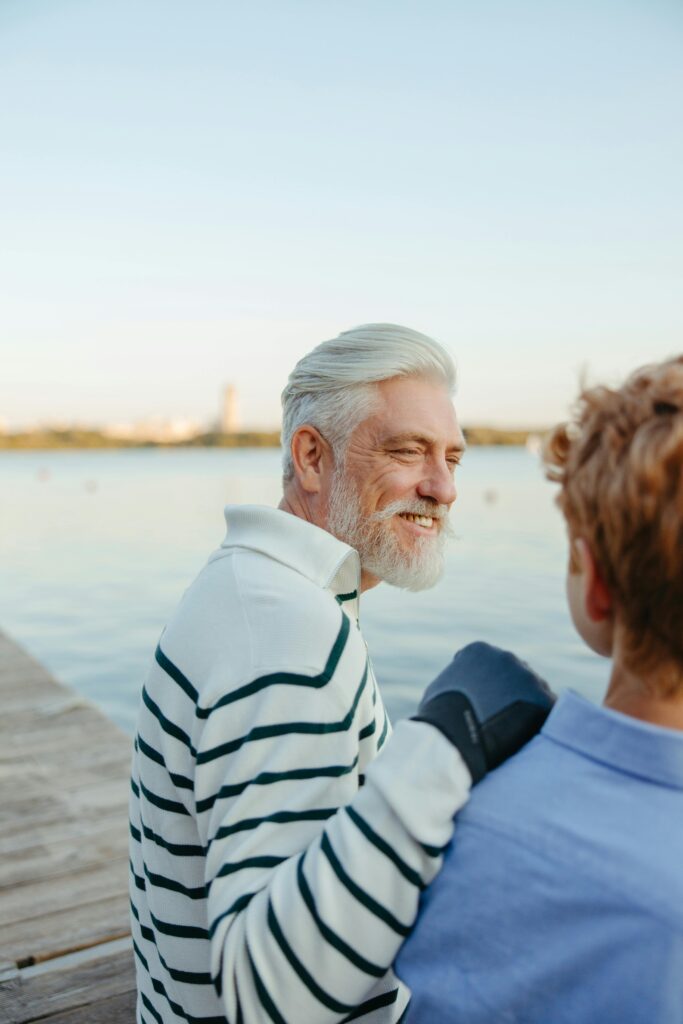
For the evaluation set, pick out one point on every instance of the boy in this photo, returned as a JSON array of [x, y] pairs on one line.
[[561, 899]]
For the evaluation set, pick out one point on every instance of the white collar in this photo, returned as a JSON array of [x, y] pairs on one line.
[[295, 542]]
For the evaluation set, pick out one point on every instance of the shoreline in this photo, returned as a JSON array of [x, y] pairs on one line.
[[91, 440]]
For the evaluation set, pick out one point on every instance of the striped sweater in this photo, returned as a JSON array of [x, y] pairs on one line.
[[276, 861]]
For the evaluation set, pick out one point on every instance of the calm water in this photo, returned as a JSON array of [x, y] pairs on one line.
[[97, 547]]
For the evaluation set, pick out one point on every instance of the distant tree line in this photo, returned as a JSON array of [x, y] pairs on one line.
[[45, 439], [80, 438], [496, 436]]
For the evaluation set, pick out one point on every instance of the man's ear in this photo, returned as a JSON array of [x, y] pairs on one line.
[[311, 456], [596, 596]]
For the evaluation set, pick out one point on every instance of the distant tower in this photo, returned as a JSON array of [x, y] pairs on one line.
[[229, 420]]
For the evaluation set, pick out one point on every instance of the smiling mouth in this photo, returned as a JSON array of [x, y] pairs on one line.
[[427, 522]]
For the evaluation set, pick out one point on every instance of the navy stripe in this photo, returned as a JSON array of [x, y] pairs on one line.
[[178, 780], [138, 879], [179, 1010], [374, 970], [186, 977], [150, 752], [360, 894], [161, 882], [435, 851], [272, 679], [166, 724], [177, 849], [264, 997], [146, 932], [368, 730], [174, 672], [408, 873], [248, 862], [308, 980], [286, 729], [343, 598], [278, 818], [238, 905], [386, 999], [385, 730], [269, 778], [141, 958], [161, 801], [287, 678], [148, 1006], [176, 1007], [179, 931]]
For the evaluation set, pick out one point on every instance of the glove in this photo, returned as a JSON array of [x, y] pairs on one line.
[[488, 703]]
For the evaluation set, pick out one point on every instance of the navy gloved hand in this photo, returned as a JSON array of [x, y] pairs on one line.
[[488, 703]]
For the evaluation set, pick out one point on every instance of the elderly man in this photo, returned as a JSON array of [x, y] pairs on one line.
[[275, 865]]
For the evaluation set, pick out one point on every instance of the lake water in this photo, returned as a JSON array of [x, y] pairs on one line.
[[97, 547]]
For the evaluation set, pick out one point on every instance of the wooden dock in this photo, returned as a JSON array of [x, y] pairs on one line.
[[65, 947]]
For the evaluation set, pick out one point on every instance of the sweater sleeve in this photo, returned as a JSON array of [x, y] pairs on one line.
[[312, 884]]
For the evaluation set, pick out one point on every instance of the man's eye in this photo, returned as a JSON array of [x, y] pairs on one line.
[[406, 451]]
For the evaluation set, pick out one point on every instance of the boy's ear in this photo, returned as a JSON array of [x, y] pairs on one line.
[[312, 456], [597, 598]]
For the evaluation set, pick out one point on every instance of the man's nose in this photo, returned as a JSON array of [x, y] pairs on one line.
[[438, 484]]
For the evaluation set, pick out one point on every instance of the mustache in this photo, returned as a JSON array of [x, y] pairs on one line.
[[416, 508]]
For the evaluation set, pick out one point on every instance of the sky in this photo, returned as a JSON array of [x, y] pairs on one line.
[[198, 193]]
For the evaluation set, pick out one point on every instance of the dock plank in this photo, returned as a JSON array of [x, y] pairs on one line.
[[35, 834], [53, 894], [64, 789], [115, 1010], [40, 861], [66, 992], [65, 931], [45, 804]]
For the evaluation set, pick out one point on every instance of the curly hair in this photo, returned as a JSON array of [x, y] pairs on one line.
[[619, 463]]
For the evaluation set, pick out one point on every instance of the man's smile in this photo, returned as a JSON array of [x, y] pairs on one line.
[[420, 524]]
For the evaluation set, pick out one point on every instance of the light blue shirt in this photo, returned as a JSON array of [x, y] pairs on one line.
[[561, 897]]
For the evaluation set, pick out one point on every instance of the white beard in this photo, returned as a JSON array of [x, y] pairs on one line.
[[378, 546]]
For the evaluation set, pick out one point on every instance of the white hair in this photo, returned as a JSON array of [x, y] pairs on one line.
[[332, 388]]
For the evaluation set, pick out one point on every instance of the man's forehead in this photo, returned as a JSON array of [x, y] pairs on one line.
[[415, 409]]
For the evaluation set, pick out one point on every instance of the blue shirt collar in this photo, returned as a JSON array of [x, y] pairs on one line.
[[632, 746]]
